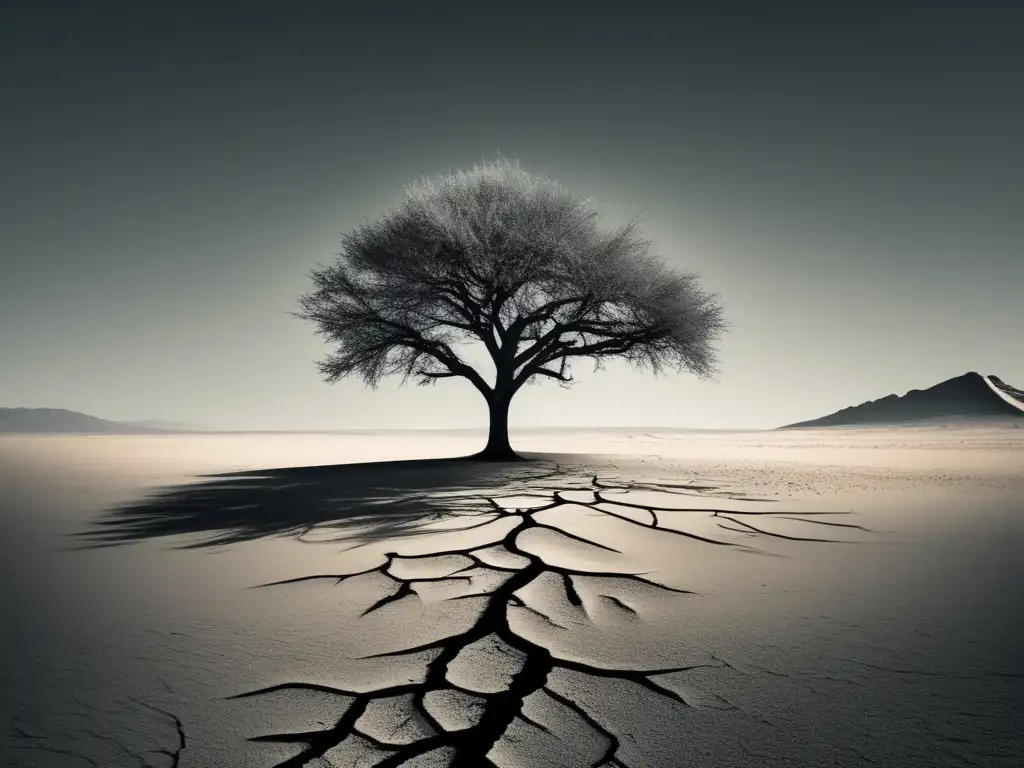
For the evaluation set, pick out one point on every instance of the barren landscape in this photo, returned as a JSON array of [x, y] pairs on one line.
[[625, 598], [328, 335]]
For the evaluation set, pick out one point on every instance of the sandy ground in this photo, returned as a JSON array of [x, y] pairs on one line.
[[658, 598]]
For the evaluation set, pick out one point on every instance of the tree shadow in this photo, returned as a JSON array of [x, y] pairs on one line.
[[513, 585], [374, 500]]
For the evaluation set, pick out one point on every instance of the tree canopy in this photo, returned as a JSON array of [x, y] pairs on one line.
[[516, 262]]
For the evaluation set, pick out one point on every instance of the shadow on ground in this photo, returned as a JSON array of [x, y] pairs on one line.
[[512, 585], [377, 499]]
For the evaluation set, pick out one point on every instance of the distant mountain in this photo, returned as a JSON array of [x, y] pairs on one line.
[[971, 395], [58, 420], [1011, 392]]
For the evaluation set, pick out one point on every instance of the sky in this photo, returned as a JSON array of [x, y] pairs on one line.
[[847, 179]]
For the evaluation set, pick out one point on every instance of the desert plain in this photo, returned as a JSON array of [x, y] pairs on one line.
[[644, 598]]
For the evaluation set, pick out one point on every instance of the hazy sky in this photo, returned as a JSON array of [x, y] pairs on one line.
[[847, 179]]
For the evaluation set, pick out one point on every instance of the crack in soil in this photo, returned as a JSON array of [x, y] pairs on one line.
[[471, 746]]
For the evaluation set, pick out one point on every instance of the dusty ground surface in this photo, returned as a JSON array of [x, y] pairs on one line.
[[628, 598]]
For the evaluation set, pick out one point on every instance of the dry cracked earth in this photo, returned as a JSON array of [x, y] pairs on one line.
[[498, 688]]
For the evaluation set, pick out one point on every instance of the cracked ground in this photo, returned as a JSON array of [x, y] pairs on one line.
[[549, 614]]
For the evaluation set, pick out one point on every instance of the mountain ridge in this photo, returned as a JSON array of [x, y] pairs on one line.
[[63, 421], [969, 395]]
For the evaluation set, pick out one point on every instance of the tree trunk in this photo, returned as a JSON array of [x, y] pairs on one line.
[[498, 448]]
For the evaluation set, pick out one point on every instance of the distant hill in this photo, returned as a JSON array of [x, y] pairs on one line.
[[58, 420], [971, 395], [1011, 392]]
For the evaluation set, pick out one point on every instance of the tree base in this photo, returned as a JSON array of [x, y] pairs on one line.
[[497, 454]]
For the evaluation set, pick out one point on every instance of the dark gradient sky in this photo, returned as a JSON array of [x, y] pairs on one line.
[[848, 179]]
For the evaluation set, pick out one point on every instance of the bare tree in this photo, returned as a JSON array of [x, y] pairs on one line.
[[515, 262]]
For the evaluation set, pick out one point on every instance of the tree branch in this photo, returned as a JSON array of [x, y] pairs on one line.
[[513, 261]]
